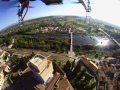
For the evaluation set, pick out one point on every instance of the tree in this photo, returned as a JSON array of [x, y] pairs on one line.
[[67, 69], [79, 78], [73, 65], [14, 59], [42, 45], [57, 48], [80, 75], [96, 55], [7, 40], [76, 70]]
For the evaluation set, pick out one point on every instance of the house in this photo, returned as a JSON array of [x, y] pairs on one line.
[[89, 63], [42, 68], [49, 75], [2, 79]]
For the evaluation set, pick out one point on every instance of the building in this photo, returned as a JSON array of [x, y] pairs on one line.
[[2, 79], [90, 64], [42, 68], [49, 75], [71, 53], [3, 70]]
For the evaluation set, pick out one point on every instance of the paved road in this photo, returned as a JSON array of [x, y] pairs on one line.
[[109, 36]]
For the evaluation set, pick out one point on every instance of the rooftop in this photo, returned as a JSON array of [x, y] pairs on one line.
[[40, 65], [50, 73]]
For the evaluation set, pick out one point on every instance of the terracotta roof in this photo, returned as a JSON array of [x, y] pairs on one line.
[[40, 87], [42, 66], [64, 84], [53, 81]]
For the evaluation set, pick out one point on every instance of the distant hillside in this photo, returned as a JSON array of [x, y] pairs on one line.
[[51, 33], [46, 21], [62, 22]]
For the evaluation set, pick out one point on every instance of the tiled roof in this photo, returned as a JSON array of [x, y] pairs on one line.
[[51, 84], [64, 84]]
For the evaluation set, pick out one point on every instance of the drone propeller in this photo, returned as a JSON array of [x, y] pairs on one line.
[[83, 3], [79, 1], [52, 2]]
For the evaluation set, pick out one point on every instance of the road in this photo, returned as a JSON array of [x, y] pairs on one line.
[[109, 36]]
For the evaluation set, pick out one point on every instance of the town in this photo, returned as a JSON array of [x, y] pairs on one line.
[[41, 73]]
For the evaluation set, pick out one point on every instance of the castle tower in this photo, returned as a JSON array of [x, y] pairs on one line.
[[71, 53]]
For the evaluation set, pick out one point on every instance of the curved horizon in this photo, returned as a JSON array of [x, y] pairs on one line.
[[59, 16], [103, 10]]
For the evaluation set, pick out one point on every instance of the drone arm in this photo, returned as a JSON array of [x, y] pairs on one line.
[[25, 12], [84, 5]]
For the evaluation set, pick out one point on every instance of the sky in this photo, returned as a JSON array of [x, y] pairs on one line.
[[105, 10]]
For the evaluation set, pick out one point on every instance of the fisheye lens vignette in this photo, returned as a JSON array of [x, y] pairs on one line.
[[59, 45]]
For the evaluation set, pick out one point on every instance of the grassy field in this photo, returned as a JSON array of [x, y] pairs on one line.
[[53, 56]]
